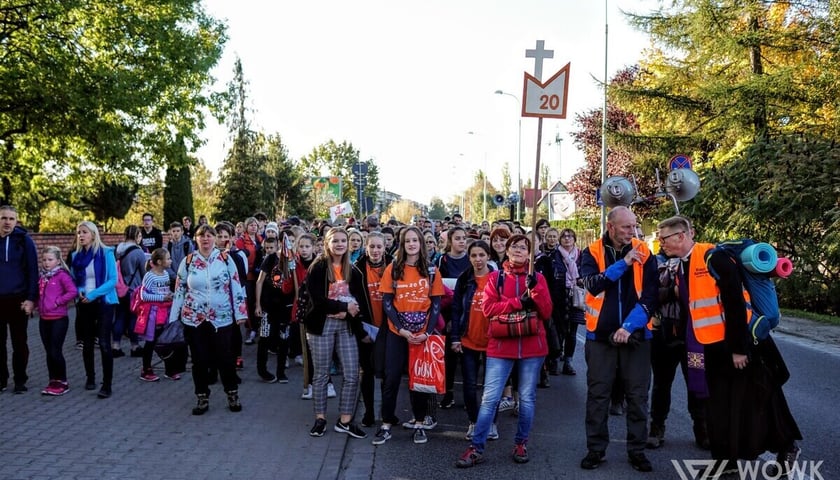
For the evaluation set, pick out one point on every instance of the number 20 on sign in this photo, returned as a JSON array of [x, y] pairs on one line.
[[546, 99]]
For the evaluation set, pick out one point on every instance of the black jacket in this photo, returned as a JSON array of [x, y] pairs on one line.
[[318, 287]]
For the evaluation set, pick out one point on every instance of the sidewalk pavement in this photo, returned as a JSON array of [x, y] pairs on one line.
[[146, 430]]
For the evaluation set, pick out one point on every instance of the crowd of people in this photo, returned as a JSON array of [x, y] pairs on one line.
[[357, 297]]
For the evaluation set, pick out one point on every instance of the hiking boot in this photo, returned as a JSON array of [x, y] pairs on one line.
[[202, 405], [419, 436], [382, 435], [319, 428], [233, 401], [349, 428], [656, 436], [640, 462], [592, 460], [520, 453], [470, 458]]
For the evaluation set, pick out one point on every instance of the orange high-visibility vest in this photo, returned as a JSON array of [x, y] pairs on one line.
[[595, 302], [704, 305]]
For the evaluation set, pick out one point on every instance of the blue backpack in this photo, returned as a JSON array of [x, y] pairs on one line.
[[755, 261]]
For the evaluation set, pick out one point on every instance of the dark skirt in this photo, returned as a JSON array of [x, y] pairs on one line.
[[747, 410]]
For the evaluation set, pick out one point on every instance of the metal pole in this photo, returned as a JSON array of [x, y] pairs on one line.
[[604, 124], [519, 170]]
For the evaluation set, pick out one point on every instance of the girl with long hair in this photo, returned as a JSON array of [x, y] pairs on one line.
[[411, 296], [338, 296], [55, 291]]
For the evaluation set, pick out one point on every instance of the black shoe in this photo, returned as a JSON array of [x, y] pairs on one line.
[[267, 377], [448, 401], [544, 383], [104, 392], [568, 369], [20, 388], [350, 429], [319, 428], [640, 462], [592, 460], [701, 437], [368, 420], [137, 352], [90, 384], [233, 401], [117, 352], [203, 404], [282, 378], [656, 436]]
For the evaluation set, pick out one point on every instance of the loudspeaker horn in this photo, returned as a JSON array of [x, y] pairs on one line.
[[499, 200], [682, 184], [617, 191]]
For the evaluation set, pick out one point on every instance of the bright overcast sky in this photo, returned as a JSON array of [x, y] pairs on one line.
[[405, 82]]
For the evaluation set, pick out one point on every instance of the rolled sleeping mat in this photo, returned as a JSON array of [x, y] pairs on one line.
[[760, 258], [784, 267]]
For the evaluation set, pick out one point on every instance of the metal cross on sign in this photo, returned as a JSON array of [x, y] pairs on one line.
[[539, 54]]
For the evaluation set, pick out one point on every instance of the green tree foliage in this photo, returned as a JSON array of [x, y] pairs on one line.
[[98, 87], [333, 159], [177, 195], [204, 192], [437, 209], [110, 199], [749, 89], [285, 186]]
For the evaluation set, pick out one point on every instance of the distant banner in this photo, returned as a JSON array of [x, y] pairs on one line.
[[339, 210], [327, 186]]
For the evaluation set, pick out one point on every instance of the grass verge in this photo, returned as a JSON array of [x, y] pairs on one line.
[[817, 317]]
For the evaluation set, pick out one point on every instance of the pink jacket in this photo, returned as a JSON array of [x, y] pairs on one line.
[[56, 291], [506, 301]]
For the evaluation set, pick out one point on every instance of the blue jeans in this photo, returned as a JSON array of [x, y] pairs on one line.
[[496, 373]]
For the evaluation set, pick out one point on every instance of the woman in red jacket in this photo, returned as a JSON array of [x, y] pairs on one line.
[[511, 290]]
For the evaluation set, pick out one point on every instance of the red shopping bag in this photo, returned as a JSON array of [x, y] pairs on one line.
[[426, 371]]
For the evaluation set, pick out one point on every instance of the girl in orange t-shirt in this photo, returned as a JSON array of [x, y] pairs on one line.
[[469, 327], [411, 292]]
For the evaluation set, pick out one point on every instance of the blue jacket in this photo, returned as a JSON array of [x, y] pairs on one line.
[[465, 289], [108, 289], [18, 265]]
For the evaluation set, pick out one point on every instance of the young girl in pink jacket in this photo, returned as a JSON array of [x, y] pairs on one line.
[[56, 290]]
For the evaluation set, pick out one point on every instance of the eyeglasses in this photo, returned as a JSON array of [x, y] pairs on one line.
[[519, 247], [666, 237]]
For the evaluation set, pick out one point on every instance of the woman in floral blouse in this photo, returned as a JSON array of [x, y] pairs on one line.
[[209, 298]]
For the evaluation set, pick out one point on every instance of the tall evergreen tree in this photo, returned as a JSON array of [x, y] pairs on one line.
[[177, 195]]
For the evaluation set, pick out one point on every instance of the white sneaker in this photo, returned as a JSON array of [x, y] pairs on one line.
[[470, 431], [299, 360], [493, 434], [287, 363], [307, 393], [330, 391]]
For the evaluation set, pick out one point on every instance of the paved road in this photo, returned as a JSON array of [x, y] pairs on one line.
[[145, 431]]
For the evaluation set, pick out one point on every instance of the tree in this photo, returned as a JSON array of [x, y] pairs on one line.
[[437, 209], [749, 89], [403, 211], [243, 181], [98, 88], [177, 195], [204, 192], [333, 159], [285, 186], [506, 181]]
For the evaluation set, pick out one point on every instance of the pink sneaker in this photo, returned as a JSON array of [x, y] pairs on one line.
[[56, 388], [149, 376]]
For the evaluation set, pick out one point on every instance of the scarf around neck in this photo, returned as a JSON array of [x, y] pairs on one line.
[[570, 259], [81, 261]]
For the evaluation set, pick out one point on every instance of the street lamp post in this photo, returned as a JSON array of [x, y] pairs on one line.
[[518, 156], [604, 123]]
